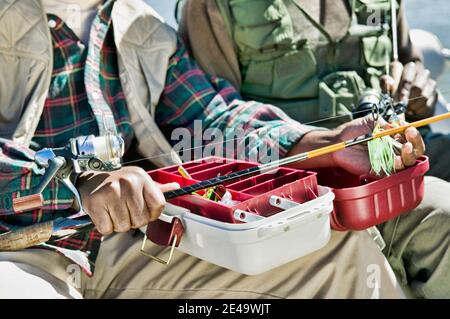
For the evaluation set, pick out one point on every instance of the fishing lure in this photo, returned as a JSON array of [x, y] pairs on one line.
[[382, 153], [214, 193], [382, 150]]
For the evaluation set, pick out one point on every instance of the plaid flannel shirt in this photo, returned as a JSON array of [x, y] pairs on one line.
[[189, 95]]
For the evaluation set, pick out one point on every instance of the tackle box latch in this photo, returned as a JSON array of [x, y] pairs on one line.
[[164, 234]]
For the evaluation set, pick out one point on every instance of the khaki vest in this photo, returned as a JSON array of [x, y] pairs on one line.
[[310, 80], [144, 46]]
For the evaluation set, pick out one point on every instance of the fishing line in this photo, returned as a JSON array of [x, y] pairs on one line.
[[265, 168], [238, 139]]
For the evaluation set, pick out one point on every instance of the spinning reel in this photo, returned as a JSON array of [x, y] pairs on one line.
[[81, 154], [380, 105]]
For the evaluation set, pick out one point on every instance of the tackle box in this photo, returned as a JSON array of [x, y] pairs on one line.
[[362, 202], [281, 216]]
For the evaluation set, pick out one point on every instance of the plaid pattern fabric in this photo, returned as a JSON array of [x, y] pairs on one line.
[[189, 95]]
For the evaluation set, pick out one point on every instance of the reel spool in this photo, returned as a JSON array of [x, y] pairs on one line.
[[379, 104]]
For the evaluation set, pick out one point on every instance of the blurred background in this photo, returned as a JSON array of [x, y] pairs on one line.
[[433, 16], [428, 15]]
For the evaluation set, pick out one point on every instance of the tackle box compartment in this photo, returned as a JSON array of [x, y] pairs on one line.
[[362, 202], [252, 192]]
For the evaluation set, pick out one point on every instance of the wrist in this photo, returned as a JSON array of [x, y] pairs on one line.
[[314, 140]]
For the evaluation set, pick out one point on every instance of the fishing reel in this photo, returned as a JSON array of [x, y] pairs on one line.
[[380, 105], [81, 154]]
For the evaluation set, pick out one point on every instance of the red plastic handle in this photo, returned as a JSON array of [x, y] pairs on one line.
[[163, 233]]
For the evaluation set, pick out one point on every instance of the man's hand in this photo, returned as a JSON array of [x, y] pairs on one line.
[[355, 159], [121, 200], [417, 89]]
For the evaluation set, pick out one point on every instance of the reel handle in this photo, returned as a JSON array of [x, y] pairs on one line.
[[27, 203], [35, 200]]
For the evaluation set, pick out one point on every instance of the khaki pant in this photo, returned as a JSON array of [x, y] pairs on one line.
[[350, 266]]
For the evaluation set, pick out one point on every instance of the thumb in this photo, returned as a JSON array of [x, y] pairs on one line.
[[168, 187]]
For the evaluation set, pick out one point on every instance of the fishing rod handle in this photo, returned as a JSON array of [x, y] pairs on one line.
[[26, 237]]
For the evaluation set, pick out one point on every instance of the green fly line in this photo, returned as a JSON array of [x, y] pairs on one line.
[[381, 153]]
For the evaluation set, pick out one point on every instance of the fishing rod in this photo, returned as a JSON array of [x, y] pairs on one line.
[[63, 227], [268, 167], [396, 66], [360, 112]]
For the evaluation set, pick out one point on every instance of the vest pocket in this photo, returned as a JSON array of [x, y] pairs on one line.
[[16, 89], [295, 74], [259, 24], [377, 50], [339, 93], [290, 76]]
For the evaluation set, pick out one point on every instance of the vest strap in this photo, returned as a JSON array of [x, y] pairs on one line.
[[101, 109]]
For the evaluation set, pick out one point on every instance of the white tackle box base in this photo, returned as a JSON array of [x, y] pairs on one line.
[[256, 247]]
